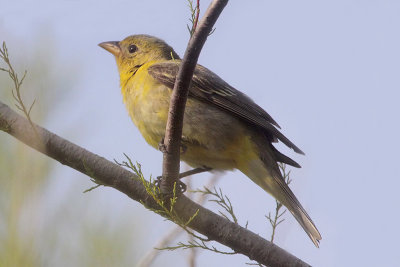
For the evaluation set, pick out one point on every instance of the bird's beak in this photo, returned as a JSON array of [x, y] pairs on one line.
[[112, 47]]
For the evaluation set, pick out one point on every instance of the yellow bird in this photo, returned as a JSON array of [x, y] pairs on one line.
[[223, 129]]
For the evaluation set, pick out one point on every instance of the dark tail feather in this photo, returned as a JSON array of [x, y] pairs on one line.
[[283, 158], [305, 221]]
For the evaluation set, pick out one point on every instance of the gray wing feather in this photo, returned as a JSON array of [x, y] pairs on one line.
[[209, 87]]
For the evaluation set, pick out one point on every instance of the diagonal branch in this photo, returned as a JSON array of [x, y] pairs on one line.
[[173, 133], [207, 223]]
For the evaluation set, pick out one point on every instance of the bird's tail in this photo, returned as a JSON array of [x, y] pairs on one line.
[[266, 174]]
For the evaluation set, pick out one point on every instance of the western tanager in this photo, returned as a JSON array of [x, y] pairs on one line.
[[223, 129]]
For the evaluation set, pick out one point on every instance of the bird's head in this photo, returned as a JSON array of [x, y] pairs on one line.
[[136, 50]]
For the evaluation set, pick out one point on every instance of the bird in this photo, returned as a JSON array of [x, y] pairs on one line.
[[223, 129]]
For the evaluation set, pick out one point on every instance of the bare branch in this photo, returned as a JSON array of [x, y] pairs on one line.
[[206, 223], [172, 140]]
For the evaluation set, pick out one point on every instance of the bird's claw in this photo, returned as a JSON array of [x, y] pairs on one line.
[[183, 149], [180, 187], [162, 147]]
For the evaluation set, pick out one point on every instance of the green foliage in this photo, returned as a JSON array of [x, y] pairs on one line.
[[194, 16], [199, 242], [16, 91], [222, 200], [166, 209], [166, 206]]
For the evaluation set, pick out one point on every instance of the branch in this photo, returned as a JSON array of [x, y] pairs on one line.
[[173, 133], [150, 256], [206, 223]]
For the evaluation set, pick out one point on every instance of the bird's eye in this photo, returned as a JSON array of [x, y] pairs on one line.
[[132, 49]]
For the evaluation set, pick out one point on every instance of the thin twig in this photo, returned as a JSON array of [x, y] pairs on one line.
[[200, 200], [194, 16], [16, 91], [276, 219], [196, 20], [211, 184]]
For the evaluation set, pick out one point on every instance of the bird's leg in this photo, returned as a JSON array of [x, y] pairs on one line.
[[162, 148], [180, 185], [183, 148], [194, 171], [191, 172]]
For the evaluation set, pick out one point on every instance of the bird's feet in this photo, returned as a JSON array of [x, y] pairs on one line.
[[180, 187], [183, 149], [163, 148]]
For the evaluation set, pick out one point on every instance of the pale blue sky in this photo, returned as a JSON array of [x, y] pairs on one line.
[[327, 71]]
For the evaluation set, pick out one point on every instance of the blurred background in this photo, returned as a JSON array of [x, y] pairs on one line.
[[327, 72]]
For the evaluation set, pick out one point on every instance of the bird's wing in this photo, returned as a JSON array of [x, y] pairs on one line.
[[209, 87]]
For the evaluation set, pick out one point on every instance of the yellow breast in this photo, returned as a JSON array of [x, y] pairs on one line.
[[147, 102], [212, 137]]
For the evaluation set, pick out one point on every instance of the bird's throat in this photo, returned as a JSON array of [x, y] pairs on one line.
[[126, 76]]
